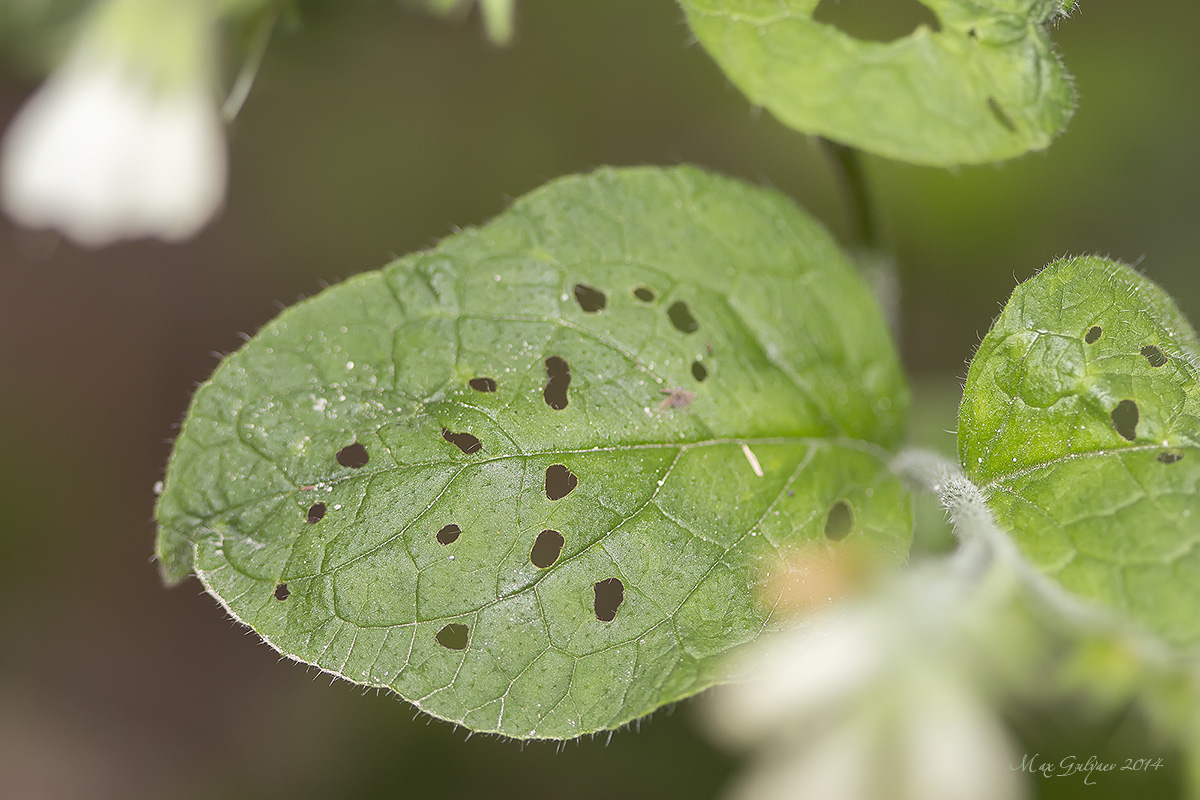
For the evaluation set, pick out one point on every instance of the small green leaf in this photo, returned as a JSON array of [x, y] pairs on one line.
[[1081, 422], [497, 15], [491, 478], [986, 86]]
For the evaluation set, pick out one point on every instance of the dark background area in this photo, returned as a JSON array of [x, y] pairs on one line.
[[372, 132]]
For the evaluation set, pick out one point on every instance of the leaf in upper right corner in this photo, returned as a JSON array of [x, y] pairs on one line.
[[978, 82], [1080, 421]]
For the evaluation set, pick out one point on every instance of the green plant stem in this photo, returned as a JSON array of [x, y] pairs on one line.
[[260, 37], [848, 163], [878, 266]]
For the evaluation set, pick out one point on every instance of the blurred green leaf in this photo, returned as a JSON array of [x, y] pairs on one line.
[[532, 479], [1081, 422], [986, 86], [497, 14]]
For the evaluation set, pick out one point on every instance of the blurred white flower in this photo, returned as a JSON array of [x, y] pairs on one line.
[[934, 741], [879, 700], [124, 140]]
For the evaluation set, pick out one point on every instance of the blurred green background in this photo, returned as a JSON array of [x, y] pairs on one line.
[[373, 131]]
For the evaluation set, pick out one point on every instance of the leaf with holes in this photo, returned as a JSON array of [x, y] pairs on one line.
[[534, 479], [980, 82], [1081, 422]]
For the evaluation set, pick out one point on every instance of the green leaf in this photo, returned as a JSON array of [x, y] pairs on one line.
[[497, 15], [432, 477], [986, 86], [1081, 422]]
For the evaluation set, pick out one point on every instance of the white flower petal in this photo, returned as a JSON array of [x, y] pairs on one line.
[[954, 748], [802, 672], [876, 698], [836, 766], [182, 172], [100, 155]]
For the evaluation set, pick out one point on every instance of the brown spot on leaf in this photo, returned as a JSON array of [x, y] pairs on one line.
[[676, 399]]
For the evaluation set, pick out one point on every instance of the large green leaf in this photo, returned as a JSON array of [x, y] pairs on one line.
[[1081, 422], [985, 87], [532, 479]]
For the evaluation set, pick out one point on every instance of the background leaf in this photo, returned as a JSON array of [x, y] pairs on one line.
[[497, 15], [529, 479], [1081, 422], [985, 86]]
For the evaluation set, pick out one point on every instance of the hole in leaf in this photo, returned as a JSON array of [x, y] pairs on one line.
[[1169, 457], [454, 636], [448, 534], [644, 293], [560, 481], [875, 20], [559, 373], [1154, 356], [282, 592], [482, 384], [1093, 335], [315, 512], [1125, 419], [681, 317], [353, 456], [590, 299], [1001, 115], [699, 371], [546, 549], [840, 521], [610, 592], [463, 441]]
